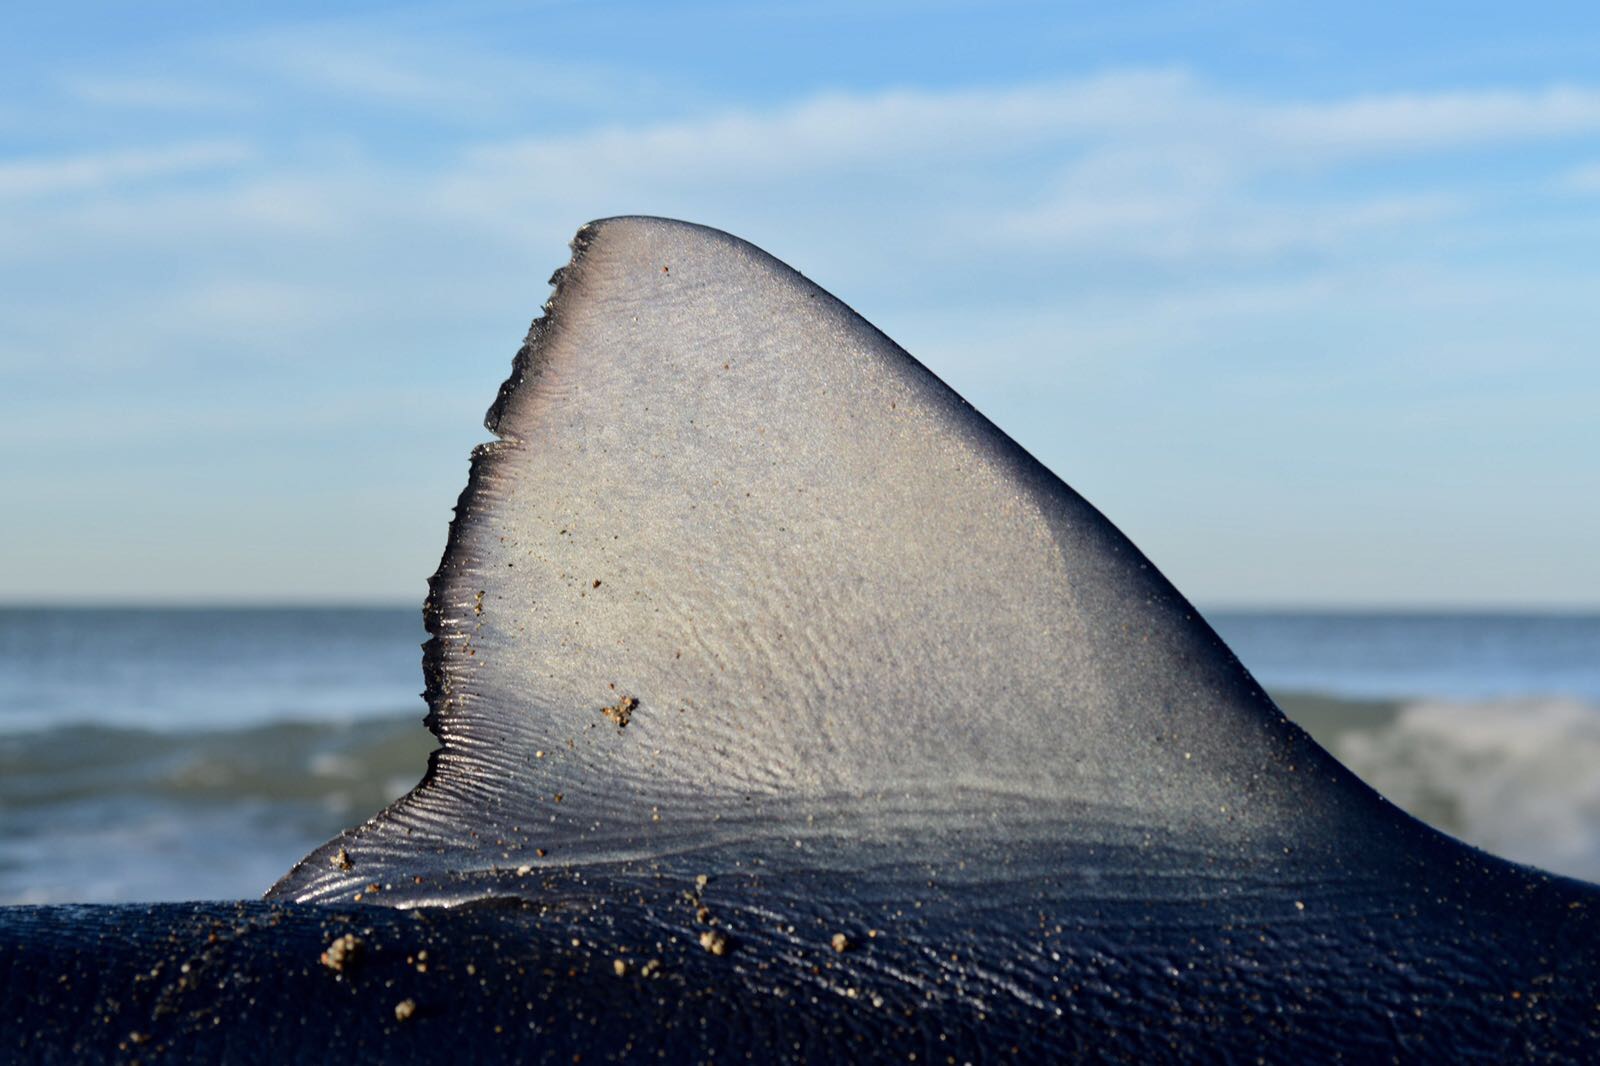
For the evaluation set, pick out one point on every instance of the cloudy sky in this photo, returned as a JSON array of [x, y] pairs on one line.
[[1308, 304]]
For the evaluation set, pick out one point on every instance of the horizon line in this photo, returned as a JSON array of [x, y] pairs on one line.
[[369, 604]]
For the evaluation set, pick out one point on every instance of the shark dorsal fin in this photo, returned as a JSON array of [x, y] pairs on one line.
[[739, 573]]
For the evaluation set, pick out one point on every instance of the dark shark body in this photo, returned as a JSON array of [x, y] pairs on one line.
[[743, 592], [1469, 962]]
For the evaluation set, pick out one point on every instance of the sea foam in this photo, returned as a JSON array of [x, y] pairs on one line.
[[1517, 777]]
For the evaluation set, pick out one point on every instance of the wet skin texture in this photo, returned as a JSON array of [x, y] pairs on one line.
[[743, 593], [1443, 971]]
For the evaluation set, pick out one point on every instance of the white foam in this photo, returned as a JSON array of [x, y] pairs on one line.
[[1520, 778]]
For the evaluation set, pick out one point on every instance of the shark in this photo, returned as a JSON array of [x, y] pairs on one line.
[[788, 710]]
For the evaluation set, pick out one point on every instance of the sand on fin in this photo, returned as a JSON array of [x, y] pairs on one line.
[[737, 567]]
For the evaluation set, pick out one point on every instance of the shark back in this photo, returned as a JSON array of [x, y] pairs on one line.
[[758, 652]]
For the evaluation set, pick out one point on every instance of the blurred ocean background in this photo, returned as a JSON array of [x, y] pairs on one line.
[[150, 754]]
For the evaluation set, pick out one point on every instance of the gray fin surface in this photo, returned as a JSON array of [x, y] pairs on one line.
[[741, 582]]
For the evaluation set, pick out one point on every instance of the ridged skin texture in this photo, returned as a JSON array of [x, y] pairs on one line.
[[830, 591], [750, 634]]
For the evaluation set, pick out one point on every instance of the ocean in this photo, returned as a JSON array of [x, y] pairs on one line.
[[164, 754]]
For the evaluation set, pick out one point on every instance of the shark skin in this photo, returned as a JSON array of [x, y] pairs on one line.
[[788, 710]]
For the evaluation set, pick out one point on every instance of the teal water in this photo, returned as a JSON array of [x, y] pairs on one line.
[[181, 754]]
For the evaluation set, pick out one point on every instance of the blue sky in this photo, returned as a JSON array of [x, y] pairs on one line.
[[1306, 302]]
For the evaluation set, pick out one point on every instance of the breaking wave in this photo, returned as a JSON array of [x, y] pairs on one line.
[[1518, 777]]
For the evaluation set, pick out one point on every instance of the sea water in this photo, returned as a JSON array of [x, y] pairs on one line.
[[150, 754]]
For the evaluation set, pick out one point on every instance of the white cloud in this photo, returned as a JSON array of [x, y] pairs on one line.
[[1167, 113], [1175, 221], [1414, 122], [1149, 164], [152, 93], [825, 132], [363, 72], [879, 194], [1583, 179], [431, 74], [81, 173]]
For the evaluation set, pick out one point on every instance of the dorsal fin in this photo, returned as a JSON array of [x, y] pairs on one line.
[[739, 571]]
